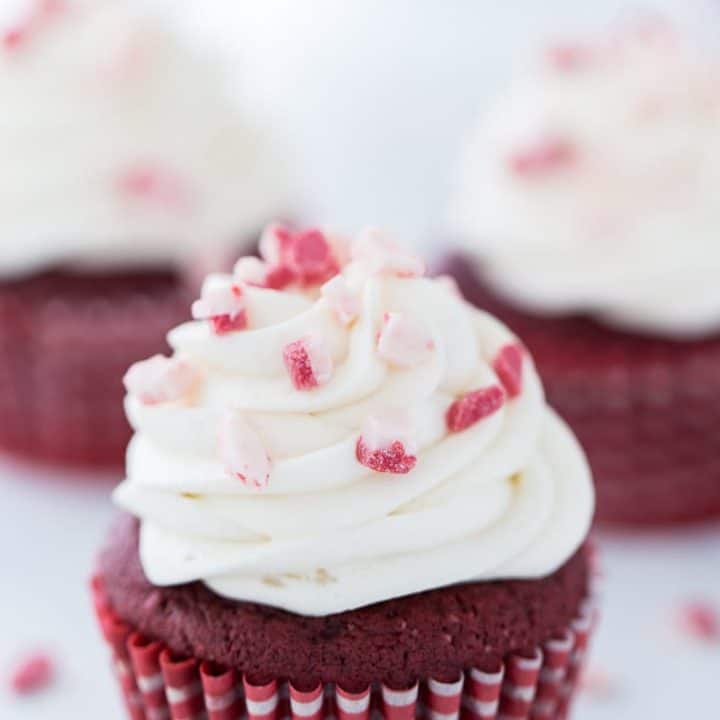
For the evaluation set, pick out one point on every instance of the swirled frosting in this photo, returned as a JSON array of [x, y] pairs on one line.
[[591, 184], [321, 449], [121, 143]]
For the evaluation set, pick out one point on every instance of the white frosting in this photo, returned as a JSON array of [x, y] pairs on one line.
[[98, 97], [508, 497], [629, 229]]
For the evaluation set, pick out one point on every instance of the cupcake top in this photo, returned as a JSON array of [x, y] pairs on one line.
[[591, 184], [120, 143], [334, 429]]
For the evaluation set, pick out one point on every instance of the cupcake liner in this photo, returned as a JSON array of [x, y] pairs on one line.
[[645, 409], [156, 684], [65, 344]]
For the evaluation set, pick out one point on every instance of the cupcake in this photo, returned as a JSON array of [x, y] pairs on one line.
[[588, 210], [301, 533], [123, 156]]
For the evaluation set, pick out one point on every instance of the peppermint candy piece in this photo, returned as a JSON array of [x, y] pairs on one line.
[[384, 256], [508, 365], [403, 341], [306, 257], [160, 379], [242, 451], [387, 444], [224, 307], [545, 156], [344, 303], [473, 407], [308, 362]]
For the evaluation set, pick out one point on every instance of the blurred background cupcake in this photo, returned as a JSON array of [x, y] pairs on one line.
[[588, 206], [126, 159]]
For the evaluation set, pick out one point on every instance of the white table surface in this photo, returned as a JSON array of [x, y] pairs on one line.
[[50, 530]]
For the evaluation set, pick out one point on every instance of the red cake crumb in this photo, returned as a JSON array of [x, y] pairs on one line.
[[699, 620], [32, 674], [473, 407]]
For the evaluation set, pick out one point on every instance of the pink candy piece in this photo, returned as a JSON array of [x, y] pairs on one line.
[[279, 277], [15, 37], [385, 257], [508, 364], [224, 307], [700, 620], [242, 451], [545, 156], [343, 301], [403, 341], [160, 379], [308, 362], [387, 445], [34, 673], [159, 186], [569, 57], [306, 257], [473, 407]]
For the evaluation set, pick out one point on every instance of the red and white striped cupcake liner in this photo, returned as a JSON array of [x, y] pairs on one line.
[[158, 685]]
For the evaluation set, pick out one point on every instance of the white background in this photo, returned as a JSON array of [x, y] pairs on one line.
[[373, 99]]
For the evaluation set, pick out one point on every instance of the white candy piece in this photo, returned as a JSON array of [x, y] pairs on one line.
[[403, 341], [384, 256], [242, 451], [309, 353], [344, 303], [269, 244], [216, 301], [160, 379], [250, 270], [379, 432]]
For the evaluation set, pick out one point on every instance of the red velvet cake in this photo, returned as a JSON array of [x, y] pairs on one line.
[[346, 497]]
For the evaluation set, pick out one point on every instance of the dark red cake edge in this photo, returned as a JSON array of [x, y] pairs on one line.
[[439, 633]]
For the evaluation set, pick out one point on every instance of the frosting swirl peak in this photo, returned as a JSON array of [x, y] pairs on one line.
[[358, 438]]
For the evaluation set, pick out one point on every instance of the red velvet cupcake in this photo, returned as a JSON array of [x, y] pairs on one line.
[[349, 495], [111, 189], [589, 213]]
